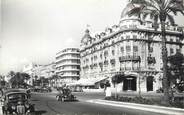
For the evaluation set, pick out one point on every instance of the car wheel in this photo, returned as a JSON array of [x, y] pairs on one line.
[[6, 113], [3, 110]]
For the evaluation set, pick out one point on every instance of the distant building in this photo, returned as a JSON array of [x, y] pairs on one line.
[[29, 69], [37, 71], [48, 70], [131, 49], [68, 65]]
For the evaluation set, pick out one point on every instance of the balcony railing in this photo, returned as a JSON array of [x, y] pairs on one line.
[[106, 62], [129, 58], [112, 61], [151, 60]]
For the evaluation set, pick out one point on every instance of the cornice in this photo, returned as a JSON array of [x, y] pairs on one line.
[[130, 29]]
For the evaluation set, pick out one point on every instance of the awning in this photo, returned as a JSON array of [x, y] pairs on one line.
[[87, 82]]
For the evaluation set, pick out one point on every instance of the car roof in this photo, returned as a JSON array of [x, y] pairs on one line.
[[15, 91]]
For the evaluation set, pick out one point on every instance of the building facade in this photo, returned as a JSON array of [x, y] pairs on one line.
[[37, 71], [132, 49], [30, 69], [68, 65], [47, 71]]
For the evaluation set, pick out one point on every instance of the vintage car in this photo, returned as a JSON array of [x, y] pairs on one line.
[[42, 89], [46, 89], [65, 95], [16, 102]]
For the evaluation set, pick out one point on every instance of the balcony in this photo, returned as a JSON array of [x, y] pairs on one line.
[[112, 61], [129, 58], [69, 75], [151, 60], [86, 67], [100, 64], [106, 62], [70, 70]]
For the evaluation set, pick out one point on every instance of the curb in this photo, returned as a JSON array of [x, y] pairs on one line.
[[150, 108]]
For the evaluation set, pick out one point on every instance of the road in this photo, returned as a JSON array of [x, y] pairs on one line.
[[46, 104]]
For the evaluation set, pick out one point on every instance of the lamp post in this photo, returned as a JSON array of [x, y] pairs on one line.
[[139, 78]]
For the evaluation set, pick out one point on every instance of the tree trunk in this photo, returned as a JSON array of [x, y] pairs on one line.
[[165, 82]]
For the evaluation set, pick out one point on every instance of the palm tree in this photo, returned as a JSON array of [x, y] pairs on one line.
[[160, 11], [55, 78]]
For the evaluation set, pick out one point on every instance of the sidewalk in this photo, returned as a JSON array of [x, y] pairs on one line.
[[145, 94], [150, 108], [54, 91]]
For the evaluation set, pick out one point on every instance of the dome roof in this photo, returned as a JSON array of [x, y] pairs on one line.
[[86, 36]]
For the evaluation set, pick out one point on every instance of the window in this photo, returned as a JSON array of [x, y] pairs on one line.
[[128, 48], [112, 42], [171, 40], [127, 37], [84, 61], [105, 53], [171, 50], [87, 60], [112, 61], [95, 58], [122, 49], [91, 59], [177, 40], [135, 48], [101, 56], [113, 52], [134, 37], [150, 49], [178, 50]]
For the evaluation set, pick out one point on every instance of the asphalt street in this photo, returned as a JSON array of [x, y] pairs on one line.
[[46, 104]]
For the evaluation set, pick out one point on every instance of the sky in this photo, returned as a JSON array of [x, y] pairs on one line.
[[35, 30]]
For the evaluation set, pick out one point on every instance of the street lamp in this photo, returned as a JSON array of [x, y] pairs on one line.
[[139, 69]]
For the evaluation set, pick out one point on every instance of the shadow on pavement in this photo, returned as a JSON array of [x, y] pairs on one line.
[[40, 112], [70, 101], [34, 100]]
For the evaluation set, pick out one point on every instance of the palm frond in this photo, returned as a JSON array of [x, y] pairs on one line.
[[145, 15], [171, 19], [175, 2], [156, 9], [134, 11], [175, 9], [153, 14], [171, 9], [137, 1], [156, 19]]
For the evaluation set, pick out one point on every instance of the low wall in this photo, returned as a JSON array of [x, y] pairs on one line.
[[93, 90]]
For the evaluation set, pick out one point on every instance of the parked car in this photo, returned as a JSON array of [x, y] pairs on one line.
[[42, 89], [46, 89], [16, 102], [65, 95]]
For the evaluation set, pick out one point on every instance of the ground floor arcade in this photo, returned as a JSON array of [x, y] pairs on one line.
[[144, 81]]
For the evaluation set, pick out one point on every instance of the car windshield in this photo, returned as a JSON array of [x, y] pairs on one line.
[[17, 96]]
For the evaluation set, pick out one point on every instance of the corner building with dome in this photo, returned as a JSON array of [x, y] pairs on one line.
[[132, 49]]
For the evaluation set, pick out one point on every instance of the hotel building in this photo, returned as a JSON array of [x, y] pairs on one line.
[[131, 48], [68, 65]]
